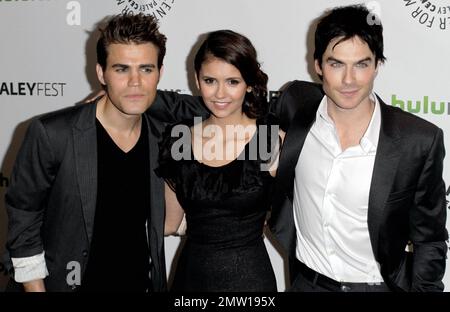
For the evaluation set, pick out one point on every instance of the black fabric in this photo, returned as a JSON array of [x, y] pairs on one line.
[[225, 212], [51, 199], [407, 192], [309, 280], [119, 258]]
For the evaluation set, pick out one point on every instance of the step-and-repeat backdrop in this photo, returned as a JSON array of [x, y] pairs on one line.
[[47, 60]]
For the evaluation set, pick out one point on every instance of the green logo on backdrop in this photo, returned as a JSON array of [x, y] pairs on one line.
[[422, 106]]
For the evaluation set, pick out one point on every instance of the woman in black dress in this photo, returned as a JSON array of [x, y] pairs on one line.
[[219, 179]]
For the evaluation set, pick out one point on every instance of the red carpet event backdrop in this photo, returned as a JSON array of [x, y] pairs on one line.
[[48, 60]]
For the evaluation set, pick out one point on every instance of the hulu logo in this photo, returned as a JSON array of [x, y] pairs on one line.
[[425, 106]]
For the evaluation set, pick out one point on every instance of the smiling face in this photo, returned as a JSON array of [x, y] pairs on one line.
[[131, 77], [348, 70], [222, 88]]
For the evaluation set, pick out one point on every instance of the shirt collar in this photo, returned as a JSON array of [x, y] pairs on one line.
[[369, 141]]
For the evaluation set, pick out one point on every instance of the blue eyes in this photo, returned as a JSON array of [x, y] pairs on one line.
[[358, 65], [362, 65], [336, 65]]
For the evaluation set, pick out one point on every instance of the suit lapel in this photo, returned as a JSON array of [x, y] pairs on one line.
[[384, 171], [85, 149], [155, 225], [156, 212], [293, 144], [282, 221]]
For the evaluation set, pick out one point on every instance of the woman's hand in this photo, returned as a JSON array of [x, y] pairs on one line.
[[99, 93]]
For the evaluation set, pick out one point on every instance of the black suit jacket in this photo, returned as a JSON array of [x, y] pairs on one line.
[[51, 200], [407, 193]]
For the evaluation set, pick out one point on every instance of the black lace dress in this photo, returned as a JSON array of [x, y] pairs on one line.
[[225, 212]]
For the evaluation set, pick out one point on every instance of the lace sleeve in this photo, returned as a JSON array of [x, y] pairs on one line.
[[275, 137], [272, 163], [174, 147]]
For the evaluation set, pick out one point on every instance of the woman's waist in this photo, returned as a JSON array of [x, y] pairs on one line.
[[222, 241]]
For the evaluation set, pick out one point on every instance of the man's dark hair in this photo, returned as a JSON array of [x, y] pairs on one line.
[[130, 29], [347, 22]]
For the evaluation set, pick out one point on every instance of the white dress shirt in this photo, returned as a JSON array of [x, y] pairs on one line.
[[331, 195]]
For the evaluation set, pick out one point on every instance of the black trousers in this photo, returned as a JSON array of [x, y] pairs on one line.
[[308, 280]]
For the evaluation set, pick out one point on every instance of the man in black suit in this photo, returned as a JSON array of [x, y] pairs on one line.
[[86, 210], [360, 204]]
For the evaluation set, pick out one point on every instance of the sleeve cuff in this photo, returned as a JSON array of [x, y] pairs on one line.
[[30, 268]]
